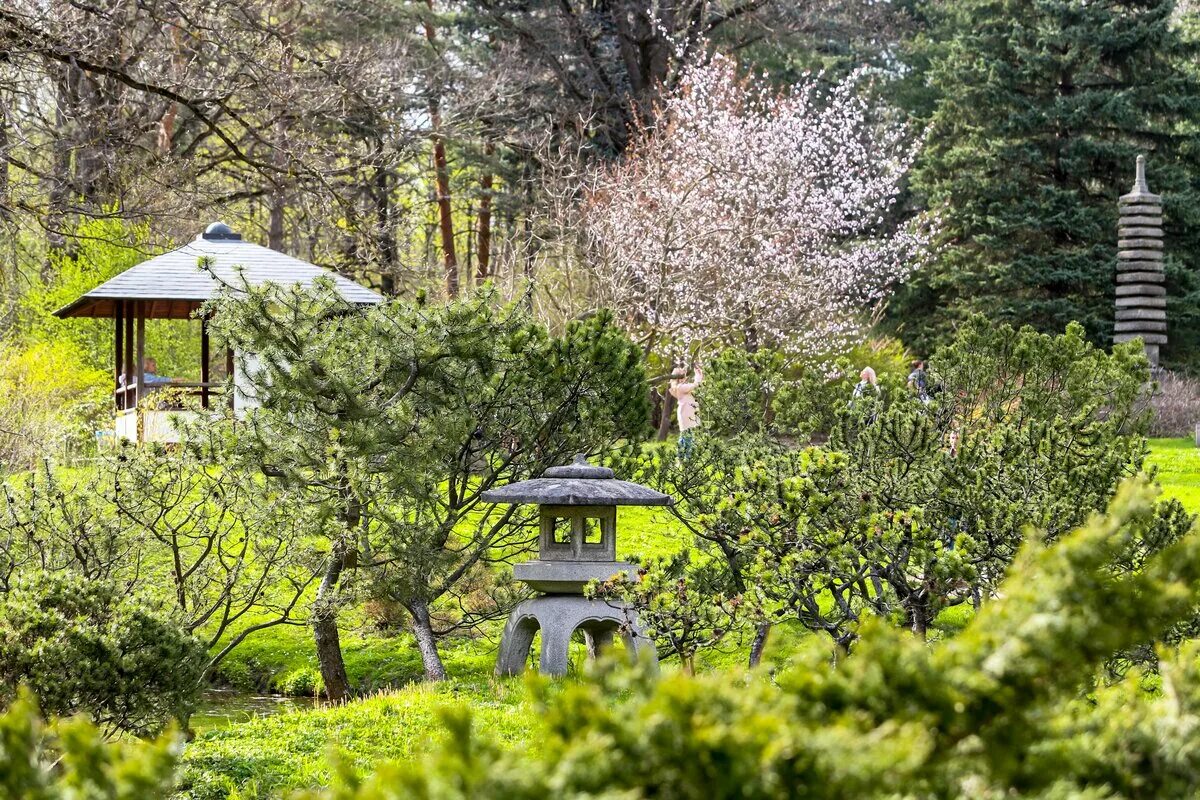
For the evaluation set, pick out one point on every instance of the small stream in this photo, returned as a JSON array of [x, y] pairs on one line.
[[220, 708]]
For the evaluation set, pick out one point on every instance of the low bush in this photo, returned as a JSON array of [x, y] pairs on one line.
[[82, 645], [1011, 707], [1176, 405], [71, 761], [1008, 708]]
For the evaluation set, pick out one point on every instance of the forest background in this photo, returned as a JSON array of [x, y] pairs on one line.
[[432, 146]]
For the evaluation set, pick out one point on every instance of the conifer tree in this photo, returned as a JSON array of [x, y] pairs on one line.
[[1037, 110]]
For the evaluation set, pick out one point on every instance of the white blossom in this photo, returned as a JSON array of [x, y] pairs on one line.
[[746, 213]]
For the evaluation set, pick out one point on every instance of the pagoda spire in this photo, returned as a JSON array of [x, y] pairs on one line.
[[1141, 298]]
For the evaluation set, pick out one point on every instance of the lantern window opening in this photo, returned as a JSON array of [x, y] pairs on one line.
[[578, 533]]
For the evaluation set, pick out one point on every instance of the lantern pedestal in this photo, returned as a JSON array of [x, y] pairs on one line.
[[559, 616]]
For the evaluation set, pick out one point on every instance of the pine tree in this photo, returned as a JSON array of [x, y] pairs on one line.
[[1036, 111]]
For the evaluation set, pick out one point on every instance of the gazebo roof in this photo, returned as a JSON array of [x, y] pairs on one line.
[[173, 285]]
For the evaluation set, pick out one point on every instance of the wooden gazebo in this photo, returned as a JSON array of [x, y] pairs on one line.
[[172, 286]]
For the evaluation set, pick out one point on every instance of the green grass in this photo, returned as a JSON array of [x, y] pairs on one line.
[[292, 750], [1178, 465], [284, 660]]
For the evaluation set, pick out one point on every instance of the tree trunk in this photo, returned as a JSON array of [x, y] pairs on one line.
[[278, 196], [275, 220], [919, 627], [426, 641], [759, 644], [325, 630], [441, 174], [485, 220], [527, 225], [59, 189], [385, 234], [664, 419], [5, 204]]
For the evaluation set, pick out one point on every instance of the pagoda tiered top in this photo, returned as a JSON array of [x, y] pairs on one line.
[[172, 285]]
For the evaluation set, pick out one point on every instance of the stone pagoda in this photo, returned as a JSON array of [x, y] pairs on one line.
[[1141, 296], [577, 543]]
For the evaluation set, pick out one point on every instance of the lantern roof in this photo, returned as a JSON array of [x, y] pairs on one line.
[[577, 484], [173, 285]]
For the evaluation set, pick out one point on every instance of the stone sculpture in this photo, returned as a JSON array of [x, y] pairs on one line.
[[1141, 295], [577, 543]]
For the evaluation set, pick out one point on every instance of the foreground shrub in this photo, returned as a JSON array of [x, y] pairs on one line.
[[82, 645], [1008, 708], [1001, 710], [71, 761]]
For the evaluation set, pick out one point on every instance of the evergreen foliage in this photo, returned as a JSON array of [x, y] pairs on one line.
[[391, 422], [83, 646], [71, 761], [997, 711], [1036, 111], [1008, 708], [911, 507]]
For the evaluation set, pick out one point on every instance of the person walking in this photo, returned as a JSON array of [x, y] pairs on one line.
[[867, 380], [918, 381]]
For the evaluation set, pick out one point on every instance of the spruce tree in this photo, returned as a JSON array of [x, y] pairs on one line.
[[1037, 110]]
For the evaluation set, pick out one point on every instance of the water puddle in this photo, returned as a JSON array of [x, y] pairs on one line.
[[220, 708]]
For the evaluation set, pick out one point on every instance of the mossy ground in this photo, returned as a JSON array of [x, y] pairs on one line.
[[294, 750]]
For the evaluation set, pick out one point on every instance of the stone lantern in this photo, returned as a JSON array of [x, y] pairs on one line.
[[577, 543]]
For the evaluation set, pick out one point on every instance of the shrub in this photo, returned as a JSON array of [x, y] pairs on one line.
[[1176, 404], [49, 400], [83, 646], [999, 711], [71, 761], [913, 507], [1009, 708]]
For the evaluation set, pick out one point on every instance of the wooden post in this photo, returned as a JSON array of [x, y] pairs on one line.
[[229, 376], [140, 364], [118, 351], [204, 362], [128, 360]]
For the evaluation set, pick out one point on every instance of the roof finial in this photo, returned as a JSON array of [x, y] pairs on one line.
[[1139, 183], [220, 232]]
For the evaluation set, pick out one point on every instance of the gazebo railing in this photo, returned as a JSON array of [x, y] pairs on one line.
[[127, 397]]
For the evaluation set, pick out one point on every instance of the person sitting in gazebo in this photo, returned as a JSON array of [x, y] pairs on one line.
[[150, 376], [150, 372]]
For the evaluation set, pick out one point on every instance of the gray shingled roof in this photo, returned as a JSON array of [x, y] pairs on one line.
[[173, 285]]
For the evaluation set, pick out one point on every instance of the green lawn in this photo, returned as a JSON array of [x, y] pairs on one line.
[[1178, 465], [292, 750]]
